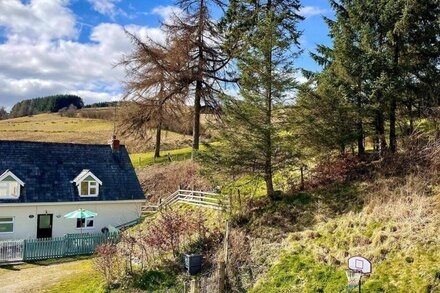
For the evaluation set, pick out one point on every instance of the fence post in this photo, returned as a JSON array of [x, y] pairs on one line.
[[302, 178], [221, 277], [24, 250], [195, 286]]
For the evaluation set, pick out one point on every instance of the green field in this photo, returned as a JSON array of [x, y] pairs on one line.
[[55, 128], [147, 159]]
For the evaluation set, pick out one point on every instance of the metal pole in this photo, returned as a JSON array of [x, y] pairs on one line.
[[360, 283]]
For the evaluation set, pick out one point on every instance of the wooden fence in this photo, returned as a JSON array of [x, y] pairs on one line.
[[39, 249], [198, 198], [11, 251]]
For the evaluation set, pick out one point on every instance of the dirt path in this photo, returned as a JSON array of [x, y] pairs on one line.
[[34, 279]]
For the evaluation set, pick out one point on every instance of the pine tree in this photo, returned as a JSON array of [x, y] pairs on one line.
[[385, 55], [3, 113], [255, 137], [323, 116]]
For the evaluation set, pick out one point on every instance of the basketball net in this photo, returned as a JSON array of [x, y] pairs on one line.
[[354, 278]]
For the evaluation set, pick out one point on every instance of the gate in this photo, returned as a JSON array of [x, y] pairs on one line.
[[11, 251]]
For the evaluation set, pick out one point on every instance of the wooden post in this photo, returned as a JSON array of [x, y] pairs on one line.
[[195, 286], [221, 277], [239, 201], [226, 242], [302, 178]]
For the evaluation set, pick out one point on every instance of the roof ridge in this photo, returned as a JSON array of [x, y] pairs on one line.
[[56, 143]]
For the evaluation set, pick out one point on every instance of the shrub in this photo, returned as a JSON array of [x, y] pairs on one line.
[[107, 264], [68, 111], [161, 181]]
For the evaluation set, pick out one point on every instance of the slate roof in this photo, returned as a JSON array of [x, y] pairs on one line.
[[47, 170]]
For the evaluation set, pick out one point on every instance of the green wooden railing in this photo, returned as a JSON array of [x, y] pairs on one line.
[[69, 245]]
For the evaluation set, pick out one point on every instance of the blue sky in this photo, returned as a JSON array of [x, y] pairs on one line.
[[61, 46]]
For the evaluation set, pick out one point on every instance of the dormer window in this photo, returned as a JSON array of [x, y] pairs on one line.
[[87, 183], [10, 186]]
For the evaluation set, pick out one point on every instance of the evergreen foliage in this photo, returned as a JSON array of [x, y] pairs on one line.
[[254, 132], [45, 104], [3, 113], [102, 105], [384, 62]]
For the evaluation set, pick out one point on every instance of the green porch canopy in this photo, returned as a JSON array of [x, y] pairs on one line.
[[80, 214]]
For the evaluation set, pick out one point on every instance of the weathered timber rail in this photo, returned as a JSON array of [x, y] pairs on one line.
[[198, 198]]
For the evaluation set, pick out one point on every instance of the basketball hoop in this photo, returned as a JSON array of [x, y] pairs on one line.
[[354, 278], [357, 266]]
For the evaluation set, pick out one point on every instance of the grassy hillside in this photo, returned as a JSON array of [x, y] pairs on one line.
[[393, 221], [54, 128]]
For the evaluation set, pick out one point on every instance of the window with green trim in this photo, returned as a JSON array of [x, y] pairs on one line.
[[6, 225]]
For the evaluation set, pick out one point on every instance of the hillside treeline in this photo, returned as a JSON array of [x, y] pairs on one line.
[[102, 105], [45, 104]]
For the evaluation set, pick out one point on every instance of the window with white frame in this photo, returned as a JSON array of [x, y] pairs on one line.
[[89, 187], [6, 225], [10, 186], [88, 184], [9, 189], [85, 223]]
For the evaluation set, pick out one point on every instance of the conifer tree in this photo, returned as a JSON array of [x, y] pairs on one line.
[[205, 71], [254, 132], [152, 88], [386, 55]]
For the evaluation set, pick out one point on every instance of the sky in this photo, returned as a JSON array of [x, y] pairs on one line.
[[50, 47]]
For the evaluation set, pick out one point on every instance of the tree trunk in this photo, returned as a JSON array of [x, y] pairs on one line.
[[411, 117], [268, 172], [269, 184], [158, 137], [393, 101], [380, 132], [199, 83], [360, 139], [360, 127], [393, 136], [196, 125]]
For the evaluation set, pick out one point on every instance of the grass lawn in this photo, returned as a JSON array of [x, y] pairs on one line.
[[146, 159], [56, 275], [84, 280]]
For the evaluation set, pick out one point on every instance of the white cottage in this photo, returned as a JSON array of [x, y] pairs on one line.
[[41, 182]]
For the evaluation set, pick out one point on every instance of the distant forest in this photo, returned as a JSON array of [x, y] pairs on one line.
[[45, 104], [102, 105]]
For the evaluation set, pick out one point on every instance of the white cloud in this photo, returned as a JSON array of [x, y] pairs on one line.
[[96, 97], [309, 11], [41, 54], [38, 20], [300, 78], [167, 12], [106, 7]]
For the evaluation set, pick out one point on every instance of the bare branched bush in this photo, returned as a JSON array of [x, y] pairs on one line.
[[108, 265], [334, 170], [160, 181], [70, 111], [239, 269], [98, 113]]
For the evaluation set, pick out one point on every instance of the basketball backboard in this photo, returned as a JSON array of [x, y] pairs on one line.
[[359, 264]]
